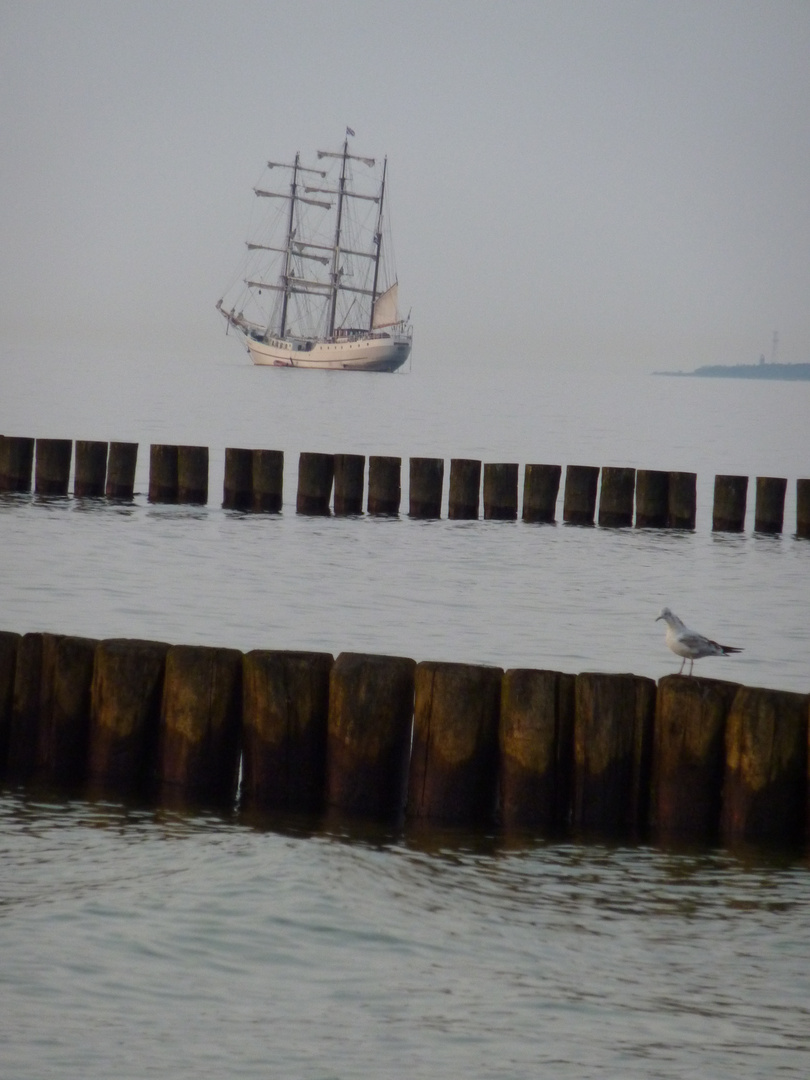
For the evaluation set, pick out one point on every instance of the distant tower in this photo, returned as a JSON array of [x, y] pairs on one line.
[[774, 346]]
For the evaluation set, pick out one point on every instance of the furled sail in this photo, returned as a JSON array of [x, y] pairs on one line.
[[385, 309]]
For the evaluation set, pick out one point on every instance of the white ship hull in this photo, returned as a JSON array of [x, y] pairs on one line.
[[373, 353]]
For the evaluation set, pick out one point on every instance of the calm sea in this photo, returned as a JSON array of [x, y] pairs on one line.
[[138, 943]]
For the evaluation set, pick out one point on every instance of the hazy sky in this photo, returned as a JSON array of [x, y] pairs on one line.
[[621, 181]]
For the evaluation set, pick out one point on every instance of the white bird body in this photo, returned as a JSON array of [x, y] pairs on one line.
[[688, 643]]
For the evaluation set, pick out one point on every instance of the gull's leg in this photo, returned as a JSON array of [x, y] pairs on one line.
[[691, 665], [680, 669]]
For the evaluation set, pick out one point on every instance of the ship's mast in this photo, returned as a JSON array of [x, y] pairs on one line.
[[378, 246], [336, 252], [288, 255]]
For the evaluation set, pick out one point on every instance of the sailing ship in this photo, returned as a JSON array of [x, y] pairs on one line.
[[319, 289]]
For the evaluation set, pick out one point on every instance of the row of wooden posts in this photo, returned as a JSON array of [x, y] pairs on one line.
[[254, 482], [389, 739]]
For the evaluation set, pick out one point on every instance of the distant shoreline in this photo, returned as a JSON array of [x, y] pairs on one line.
[[746, 371]]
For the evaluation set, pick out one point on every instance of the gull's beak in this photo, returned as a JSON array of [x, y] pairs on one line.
[[658, 618]]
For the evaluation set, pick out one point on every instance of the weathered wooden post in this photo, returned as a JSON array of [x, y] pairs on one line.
[[237, 486], [268, 480], [198, 754], [52, 469], [454, 758], [121, 462], [613, 725], [350, 470], [27, 707], [369, 734], [536, 737], [315, 475], [9, 644], [465, 488], [682, 500], [16, 462], [426, 481], [192, 474], [803, 508], [541, 486], [652, 499], [689, 755], [384, 486], [162, 473], [91, 469], [284, 729], [729, 503], [125, 712], [769, 514], [64, 723], [500, 491], [616, 497], [579, 499], [765, 790]]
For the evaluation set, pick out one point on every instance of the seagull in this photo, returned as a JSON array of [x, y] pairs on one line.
[[689, 644]]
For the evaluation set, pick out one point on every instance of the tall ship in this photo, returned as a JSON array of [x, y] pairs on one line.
[[319, 289]]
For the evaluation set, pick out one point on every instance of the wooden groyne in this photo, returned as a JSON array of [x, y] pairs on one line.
[[611, 496], [390, 739]]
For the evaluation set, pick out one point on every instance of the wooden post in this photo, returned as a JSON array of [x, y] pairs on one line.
[[425, 487], [121, 462], [682, 501], [237, 487], [370, 720], [52, 470], [64, 723], [192, 474], [268, 480], [350, 470], [162, 474], [536, 748], [91, 469], [500, 492], [465, 487], [315, 474], [27, 707], [689, 756], [541, 486], [200, 723], [384, 488], [803, 508], [652, 499], [16, 463], [125, 712], [769, 514], [765, 790], [613, 726], [9, 645], [285, 716], [616, 497], [579, 500], [729, 503], [454, 758]]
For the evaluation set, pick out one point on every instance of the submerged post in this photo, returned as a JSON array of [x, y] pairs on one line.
[[315, 475], [192, 474], [616, 497], [162, 473], [52, 471], [465, 487], [268, 480], [425, 487], [579, 499], [769, 514], [541, 486], [500, 491], [121, 462], [237, 487], [16, 463], [682, 508], [803, 508], [729, 503], [64, 723], [652, 499], [350, 470], [91, 469], [27, 706], [454, 758], [384, 487]]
